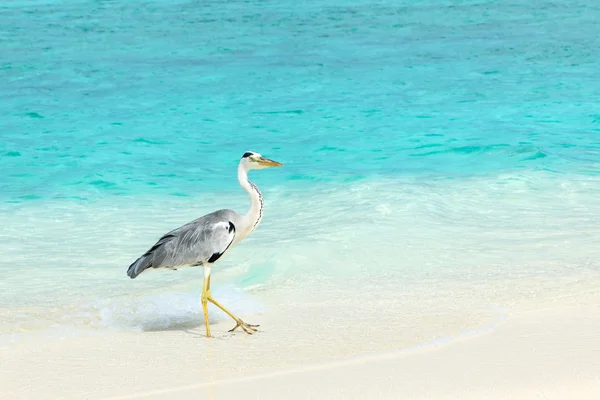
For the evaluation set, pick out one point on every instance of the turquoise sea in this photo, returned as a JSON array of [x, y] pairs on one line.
[[433, 150]]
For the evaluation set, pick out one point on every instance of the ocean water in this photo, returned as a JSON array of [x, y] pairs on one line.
[[432, 151]]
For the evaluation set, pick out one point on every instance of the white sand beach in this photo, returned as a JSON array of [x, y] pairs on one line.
[[551, 353]]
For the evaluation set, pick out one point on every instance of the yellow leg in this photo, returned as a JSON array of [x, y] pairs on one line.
[[207, 297], [240, 324], [204, 300]]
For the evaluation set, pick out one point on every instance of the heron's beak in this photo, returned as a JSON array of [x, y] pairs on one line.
[[269, 163]]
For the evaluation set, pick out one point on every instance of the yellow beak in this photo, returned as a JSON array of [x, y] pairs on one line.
[[269, 163]]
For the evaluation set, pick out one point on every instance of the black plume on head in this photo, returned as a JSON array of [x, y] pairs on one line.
[[247, 154]]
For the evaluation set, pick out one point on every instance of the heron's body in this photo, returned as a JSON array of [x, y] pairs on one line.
[[199, 242], [205, 240]]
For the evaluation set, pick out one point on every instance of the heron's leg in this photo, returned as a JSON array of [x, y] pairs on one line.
[[240, 324], [204, 298], [248, 328]]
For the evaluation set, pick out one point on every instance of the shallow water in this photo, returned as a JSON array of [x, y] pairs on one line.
[[432, 151]]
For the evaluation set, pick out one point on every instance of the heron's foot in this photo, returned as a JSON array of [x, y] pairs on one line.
[[249, 329]]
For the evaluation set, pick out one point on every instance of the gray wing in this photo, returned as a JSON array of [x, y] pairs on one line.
[[201, 241]]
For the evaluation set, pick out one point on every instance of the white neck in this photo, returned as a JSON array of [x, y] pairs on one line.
[[252, 219]]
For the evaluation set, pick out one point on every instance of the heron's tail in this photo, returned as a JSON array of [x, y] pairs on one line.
[[139, 265]]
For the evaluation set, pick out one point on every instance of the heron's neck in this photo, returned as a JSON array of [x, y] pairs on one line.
[[252, 219]]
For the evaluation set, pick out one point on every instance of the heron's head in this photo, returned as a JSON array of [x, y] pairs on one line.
[[252, 160]]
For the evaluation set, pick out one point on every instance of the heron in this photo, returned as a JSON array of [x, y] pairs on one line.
[[204, 241]]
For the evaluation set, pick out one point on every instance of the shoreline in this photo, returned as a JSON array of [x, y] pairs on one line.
[[351, 361], [333, 383], [545, 351]]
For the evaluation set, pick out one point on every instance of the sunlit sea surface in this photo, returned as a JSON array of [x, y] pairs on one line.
[[442, 157]]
